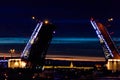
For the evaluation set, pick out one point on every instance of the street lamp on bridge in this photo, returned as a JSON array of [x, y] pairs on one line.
[[12, 51]]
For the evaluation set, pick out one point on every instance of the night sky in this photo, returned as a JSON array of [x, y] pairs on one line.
[[72, 18]]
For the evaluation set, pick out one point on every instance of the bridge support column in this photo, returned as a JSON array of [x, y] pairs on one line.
[[113, 64]]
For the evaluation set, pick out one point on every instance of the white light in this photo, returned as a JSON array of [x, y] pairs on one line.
[[98, 32], [93, 24], [110, 19], [31, 40], [33, 17], [23, 64]]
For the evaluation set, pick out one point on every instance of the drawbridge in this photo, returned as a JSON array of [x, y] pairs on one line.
[[36, 49], [109, 48]]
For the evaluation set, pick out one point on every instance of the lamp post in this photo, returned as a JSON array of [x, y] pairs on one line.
[[12, 51]]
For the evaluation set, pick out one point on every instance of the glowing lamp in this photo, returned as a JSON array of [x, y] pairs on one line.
[[46, 21]]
